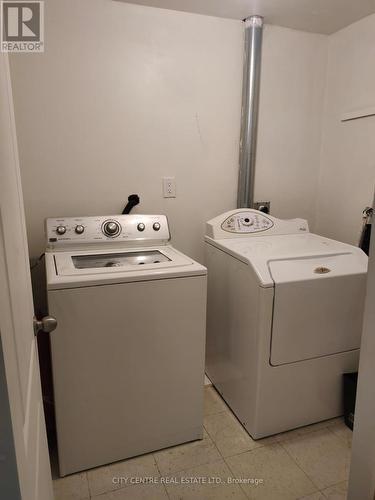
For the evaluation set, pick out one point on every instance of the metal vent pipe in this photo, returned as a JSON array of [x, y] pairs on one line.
[[250, 104]]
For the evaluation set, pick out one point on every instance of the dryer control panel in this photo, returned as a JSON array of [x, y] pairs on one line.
[[246, 222], [75, 231], [249, 222]]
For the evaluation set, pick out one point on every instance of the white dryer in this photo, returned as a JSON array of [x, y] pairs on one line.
[[128, 351], [284, 319]]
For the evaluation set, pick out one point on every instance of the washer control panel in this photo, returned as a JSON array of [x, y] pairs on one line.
[[65, 231], [246, 222]]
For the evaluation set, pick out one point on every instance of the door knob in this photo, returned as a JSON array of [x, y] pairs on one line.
[[46, 324]]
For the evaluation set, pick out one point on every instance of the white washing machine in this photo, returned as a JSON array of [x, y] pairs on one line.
[[284, 319], [128, 351]]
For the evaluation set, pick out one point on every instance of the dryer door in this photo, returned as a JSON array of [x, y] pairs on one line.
[[318, 306]]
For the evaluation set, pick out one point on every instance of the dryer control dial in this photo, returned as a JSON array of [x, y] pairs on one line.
[[61, 230], [111, 228], [247, 221]]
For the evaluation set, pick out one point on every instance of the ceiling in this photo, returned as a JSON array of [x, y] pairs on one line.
[[318, 16]]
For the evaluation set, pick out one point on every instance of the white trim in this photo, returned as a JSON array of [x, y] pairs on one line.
[[358, 113]]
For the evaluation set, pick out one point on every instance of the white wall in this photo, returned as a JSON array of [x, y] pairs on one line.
[[347, 174], [290, 115], [126, 94], [122, 96]]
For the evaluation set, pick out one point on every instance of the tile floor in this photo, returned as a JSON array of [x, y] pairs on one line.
[[310, 463]]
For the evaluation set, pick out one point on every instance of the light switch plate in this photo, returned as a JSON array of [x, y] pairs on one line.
[[169, 187]]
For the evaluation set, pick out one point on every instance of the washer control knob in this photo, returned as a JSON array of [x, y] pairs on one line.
[[156, 226], [141, 226], [61, 230], [79, 229], [111, 228]]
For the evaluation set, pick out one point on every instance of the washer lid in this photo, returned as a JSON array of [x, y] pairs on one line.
[[92, 267], [260, 252], [85, 263], [119, 259]]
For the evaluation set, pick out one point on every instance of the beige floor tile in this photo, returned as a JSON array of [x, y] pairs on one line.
[[322, 455], [136, 492], [208, 490], [267, 441], [213, 402], [315, 496], [301, 431], [104, 479], [228, 434], [337, 492], [341, 430], [282, 478], [333, 421], [187, 455], [72, 487]]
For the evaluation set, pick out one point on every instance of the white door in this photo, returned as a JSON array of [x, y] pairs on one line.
[[16, 316], [362, 467]]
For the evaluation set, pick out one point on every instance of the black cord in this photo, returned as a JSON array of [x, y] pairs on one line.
[[133, 200]]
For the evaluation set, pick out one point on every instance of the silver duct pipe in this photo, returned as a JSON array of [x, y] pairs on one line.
[[250, 100]]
